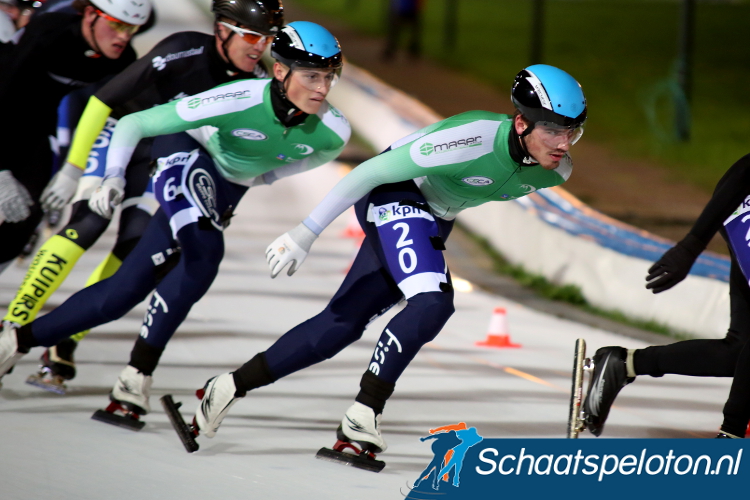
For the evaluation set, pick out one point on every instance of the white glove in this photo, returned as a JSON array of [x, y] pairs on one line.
[[61, 188], [107, 196], [15, 200], [290, 247]]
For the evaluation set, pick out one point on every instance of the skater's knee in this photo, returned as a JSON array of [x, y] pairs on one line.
[[334, 341], [329, 333], [432, 310], [85, 227]]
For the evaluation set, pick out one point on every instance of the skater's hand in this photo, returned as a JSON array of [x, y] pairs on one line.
[[61, 188], [15, 200], [674, 265], [107, 196], [291, 247]]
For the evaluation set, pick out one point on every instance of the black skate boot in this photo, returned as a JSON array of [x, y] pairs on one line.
[[609, 376], [726, 435], [57, 367]]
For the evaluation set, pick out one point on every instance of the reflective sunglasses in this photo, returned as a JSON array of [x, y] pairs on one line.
[[251, 37], [117, 25]]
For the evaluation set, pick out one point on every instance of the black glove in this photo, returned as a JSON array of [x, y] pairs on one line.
[[674, 265]]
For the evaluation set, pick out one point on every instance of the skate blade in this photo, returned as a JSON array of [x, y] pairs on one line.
[[46, 384], [184, 432], [358, 461], [129, 423]]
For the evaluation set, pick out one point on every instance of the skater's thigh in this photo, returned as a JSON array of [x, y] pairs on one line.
[[406, 237]]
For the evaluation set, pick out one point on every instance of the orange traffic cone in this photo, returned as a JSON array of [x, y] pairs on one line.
[[353, 229], [497, 334]]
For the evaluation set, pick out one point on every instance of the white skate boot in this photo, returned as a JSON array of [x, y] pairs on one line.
[[130, 397], [219, 395], [360, 425], [133, 390], [359, 439], [9, 353]]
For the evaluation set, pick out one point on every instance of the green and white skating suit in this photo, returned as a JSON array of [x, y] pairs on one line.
[[460, 162], [236, 124]]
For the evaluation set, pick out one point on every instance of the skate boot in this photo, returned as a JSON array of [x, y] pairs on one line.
[[219, 394], [130, 397], [57, 367], [359, 439], [609, 376], [10, 353], [726, 435], [217, 397]]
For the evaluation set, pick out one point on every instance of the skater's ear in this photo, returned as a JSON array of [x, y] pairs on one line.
[[521, 123], [280, 71]]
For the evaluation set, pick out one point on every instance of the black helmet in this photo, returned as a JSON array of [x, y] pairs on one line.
[[306, 44], [263, 16], [544, 93]]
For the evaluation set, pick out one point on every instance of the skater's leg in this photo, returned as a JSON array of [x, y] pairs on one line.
[[54, 261], [737, 407], [109, 299], [704, 358], [409, 243], [365, 294], [133, 223]]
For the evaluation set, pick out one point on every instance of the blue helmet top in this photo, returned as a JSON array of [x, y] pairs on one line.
[[306, 44], [544, 93]]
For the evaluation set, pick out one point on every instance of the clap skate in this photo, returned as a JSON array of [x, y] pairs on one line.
[[186, 432], [129, 398], [607, 375], [358, 440], [57, 367]]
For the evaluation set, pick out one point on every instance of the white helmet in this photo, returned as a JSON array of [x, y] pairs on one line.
[[128, 11]]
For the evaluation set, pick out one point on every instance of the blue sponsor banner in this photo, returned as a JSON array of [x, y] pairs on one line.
[[466, 465]]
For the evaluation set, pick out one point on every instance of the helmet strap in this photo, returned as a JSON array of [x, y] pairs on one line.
[[518, 150], [285, 110], [96, 47], [224, 51]]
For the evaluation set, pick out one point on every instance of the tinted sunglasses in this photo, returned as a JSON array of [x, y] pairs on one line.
[[251, 37], [117, 25]]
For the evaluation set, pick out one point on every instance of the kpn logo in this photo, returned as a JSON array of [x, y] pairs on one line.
[[442, 476]]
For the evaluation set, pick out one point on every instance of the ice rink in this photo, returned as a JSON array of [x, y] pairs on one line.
[[267, 444], [50, 448]]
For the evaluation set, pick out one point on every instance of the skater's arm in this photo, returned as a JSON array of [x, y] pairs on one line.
[[212, 107], [675, 264], [730, 191], [122, 88]]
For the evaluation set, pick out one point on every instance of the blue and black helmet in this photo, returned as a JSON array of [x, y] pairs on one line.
[[547, 94], [306, 45]]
